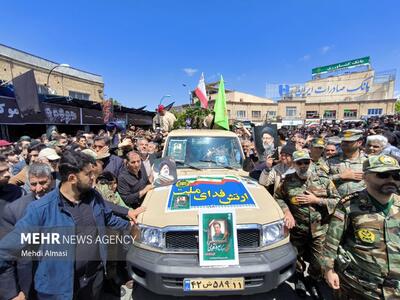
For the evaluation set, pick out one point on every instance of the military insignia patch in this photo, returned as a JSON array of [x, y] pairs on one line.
[[347, 134], [301, 153], [294, 201], [366, 236], [182, 183], [386, 160]]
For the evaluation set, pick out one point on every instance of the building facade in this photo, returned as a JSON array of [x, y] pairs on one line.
[[63, 81], [347, 95]]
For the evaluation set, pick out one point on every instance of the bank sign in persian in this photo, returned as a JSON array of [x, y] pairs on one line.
[[343, 65], [192, 193]]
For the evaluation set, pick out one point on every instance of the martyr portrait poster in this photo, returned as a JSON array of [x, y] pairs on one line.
[[218, 238]]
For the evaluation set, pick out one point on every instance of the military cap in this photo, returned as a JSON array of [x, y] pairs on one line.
[[301, 155], [352, 135], [380, 164], [318, 142], [24, 138]]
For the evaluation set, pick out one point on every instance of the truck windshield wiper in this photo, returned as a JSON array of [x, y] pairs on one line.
[[217, 164], [181, 163]]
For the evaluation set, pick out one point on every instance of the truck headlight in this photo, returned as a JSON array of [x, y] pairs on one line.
[[151, 236], [273, 232]]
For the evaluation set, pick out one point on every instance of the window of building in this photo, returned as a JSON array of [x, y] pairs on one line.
[[256, 114], [312, 114], [374, 111], [330, 114], [241, 114], [271, 113], [291, 111], [350, 113], [229, 113], [79, 95]]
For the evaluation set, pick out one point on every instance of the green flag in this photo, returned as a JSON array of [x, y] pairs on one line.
[[221, 115]]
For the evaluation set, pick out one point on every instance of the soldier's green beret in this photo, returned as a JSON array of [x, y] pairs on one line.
[[301, 155], [380, 164], [318, 143], [352, 135]]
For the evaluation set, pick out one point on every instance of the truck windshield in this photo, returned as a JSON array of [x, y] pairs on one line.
[[206, 152]]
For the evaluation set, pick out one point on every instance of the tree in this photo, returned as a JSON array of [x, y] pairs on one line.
[[115, 101], [195, 114], [397, 107]]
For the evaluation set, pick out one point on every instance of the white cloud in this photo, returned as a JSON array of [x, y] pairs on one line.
[[397, 94], [190, 71], [306, 57], [326, 49]]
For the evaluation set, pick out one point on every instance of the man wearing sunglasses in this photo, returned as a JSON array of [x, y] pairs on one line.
[[361, 256], [307, 197], [345, 170]]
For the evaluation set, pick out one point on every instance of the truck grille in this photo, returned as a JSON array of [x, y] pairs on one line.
[[188, 240]]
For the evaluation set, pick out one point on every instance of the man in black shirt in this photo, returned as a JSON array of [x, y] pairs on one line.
[[133, 182]]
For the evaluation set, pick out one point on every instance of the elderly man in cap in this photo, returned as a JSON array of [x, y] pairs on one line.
[[163, 119], [316, 151], [362, 250], [271, 176], [307, 198], [345, 170]]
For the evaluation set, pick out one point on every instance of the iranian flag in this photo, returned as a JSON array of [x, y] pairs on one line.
[[200, 92]]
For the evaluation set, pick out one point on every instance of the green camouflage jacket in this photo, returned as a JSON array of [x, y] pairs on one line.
[[337, 164], [372, 241], [308, 215], [322, 165]]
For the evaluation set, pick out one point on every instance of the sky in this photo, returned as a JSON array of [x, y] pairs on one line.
[[148, 49]]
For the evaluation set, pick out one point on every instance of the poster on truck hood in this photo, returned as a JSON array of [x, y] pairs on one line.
[[218, 244], [214, 191]]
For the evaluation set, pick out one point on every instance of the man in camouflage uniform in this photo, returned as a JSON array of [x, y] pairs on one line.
[[316, 151], [307, 197], [346, 170], [361, 256]]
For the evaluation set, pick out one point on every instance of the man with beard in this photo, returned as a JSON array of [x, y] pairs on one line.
[[307, 197], [362, 250], [74, 209], [330, 150], [345, 170], [316, 151], [267, 136]]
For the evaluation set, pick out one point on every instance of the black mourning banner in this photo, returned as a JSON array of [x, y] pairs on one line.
[[26, 94]]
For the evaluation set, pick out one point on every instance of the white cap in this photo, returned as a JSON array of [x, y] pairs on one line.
[[49, 153]]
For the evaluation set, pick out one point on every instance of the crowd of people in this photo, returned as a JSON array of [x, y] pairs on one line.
[[338, 187], [345, 174]]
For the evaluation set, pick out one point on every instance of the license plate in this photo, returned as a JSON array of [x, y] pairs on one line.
[[213, 284]]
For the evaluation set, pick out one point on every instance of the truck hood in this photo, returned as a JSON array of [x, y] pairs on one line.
[[207, 189]]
